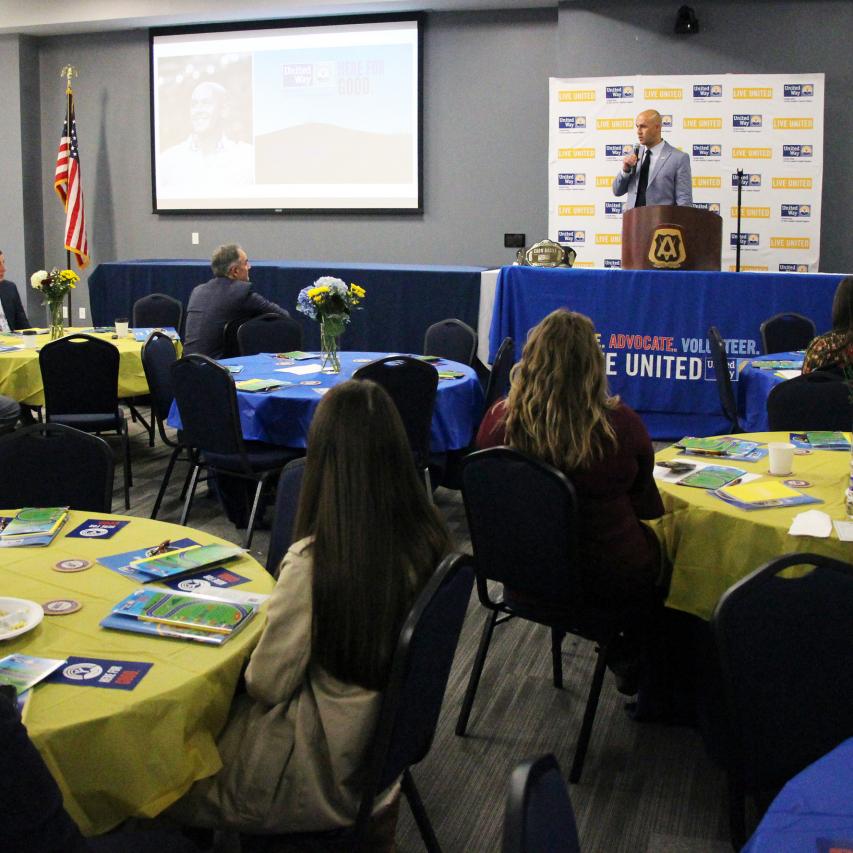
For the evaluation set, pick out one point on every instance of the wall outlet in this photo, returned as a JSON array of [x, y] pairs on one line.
[[195, 238], [514, 241], [81, 313], [64, 312]]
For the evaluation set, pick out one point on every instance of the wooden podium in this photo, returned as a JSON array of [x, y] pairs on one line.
[[665, 236]]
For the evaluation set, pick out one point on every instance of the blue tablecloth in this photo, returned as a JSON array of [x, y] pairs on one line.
[[816, 805], [283, 416], [654, 328], [402, 300], [755, 384]]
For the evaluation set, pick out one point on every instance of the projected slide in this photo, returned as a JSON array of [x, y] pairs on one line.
[[295, 118]]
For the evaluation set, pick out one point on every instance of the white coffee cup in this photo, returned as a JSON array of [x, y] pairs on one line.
[[29, 341], [781, 457], [122, 327]]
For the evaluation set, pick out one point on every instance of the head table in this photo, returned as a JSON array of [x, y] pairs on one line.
[[120, 753], [283, 416], [712, 544]]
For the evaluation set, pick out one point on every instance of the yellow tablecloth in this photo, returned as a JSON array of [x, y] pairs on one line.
[[20, 377], [712, 544], [118, 753]]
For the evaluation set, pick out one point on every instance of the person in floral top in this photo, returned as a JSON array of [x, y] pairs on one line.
[[834, 349]]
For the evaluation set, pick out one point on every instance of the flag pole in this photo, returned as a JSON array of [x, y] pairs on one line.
[[68, 71]]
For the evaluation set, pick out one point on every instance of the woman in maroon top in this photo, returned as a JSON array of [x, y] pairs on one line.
[[558, 410]]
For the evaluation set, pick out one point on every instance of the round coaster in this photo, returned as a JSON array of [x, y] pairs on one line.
[[310, 382], [802, 451], [797, 484], [61, 606], [72, 565], [361, 361]]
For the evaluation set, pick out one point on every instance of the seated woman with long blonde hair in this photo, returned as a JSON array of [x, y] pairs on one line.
[[367, 541]]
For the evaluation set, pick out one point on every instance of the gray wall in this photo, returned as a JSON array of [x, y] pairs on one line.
[[597, 39]]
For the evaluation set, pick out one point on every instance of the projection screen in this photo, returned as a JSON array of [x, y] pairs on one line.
[[291, 116]]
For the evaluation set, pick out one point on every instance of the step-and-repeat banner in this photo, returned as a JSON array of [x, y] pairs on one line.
[[768, 125]]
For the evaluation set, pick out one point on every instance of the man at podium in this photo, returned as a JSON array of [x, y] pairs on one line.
[[663, 175]]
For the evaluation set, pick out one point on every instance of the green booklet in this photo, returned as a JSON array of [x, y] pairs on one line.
[[23, 671], [33, 526], [258, 384], [189, 559], [711, 477]]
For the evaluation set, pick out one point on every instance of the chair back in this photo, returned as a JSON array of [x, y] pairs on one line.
[[785, 647], [56, 465], [419, 671], [728, 401], [787, 332], [207, 404], [230, 346], [158, 309], [158, 356], [820, 400], [412, 385], [80, 376], [451, 339], [269, 333], [498, 384], [539, 817], [522, 517], [286, 503]]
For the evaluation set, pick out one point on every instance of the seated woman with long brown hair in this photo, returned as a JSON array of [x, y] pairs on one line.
[[833, 350], [367, 540]]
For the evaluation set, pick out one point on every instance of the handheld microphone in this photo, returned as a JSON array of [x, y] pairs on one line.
[[637, 155]]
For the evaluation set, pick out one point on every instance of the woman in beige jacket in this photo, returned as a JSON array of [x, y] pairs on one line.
[[368, 539]]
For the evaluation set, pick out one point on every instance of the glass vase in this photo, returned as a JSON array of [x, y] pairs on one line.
[[57, 324], [331, 329]]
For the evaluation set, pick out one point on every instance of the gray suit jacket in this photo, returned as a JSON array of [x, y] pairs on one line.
[[670, 183], [12, 306], [216, 303]]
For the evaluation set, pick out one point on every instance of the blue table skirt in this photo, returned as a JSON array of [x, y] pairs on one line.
[[755, 384], [402, 301], [283, 416], [654, 328], [816, 804]]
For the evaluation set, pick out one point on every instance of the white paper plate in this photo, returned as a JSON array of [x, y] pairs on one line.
[[33, 615]]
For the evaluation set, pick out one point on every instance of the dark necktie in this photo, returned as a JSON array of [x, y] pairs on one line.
[[644, 180]]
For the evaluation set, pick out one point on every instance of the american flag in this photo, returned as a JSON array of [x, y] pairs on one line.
[[69, 188]]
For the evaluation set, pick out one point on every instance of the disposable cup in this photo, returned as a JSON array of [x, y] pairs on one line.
[[781, 457]]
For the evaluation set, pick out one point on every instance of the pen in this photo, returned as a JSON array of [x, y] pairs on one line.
[[735, 482]]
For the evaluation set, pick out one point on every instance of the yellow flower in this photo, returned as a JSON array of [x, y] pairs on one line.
[[316, 292], [357, 291]]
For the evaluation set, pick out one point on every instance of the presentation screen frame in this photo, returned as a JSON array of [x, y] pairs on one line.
[[233, 154]]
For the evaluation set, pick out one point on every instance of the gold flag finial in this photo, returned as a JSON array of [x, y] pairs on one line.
[[68, 71]]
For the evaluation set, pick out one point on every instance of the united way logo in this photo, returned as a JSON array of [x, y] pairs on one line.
[[572, 122], [793, 267], [746, 239], [666, 121], [617, 151], [796, 211], [619, 93], [571, 236], [748, 180], [571, 179], [707, 91], [612, 263], [708, 151], [746, 120], [713, 206], [667, 249], [797, 152], [614, 208], [798, 90]]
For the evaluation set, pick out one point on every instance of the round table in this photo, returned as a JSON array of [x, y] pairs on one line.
[[755, 384], [118, 753], [712, 544], [20, 375], [283, 416]]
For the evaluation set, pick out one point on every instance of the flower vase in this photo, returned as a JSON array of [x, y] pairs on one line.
[[331, 329], [57, 326]]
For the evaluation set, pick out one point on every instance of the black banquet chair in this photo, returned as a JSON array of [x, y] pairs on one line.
[[80, 377], [210, 423], [451, 339], [786, 332], [269, 333], [157, 310], [286, 503], [410, 707], [785, 647], [522, 516], [498, 384], [820, 400], [725, 386], [55, 465], [412, 385], [539, 817]]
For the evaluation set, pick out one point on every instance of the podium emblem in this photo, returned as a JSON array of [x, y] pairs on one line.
[[666, 249]]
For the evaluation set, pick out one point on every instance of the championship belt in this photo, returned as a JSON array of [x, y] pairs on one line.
[[546, 253]]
